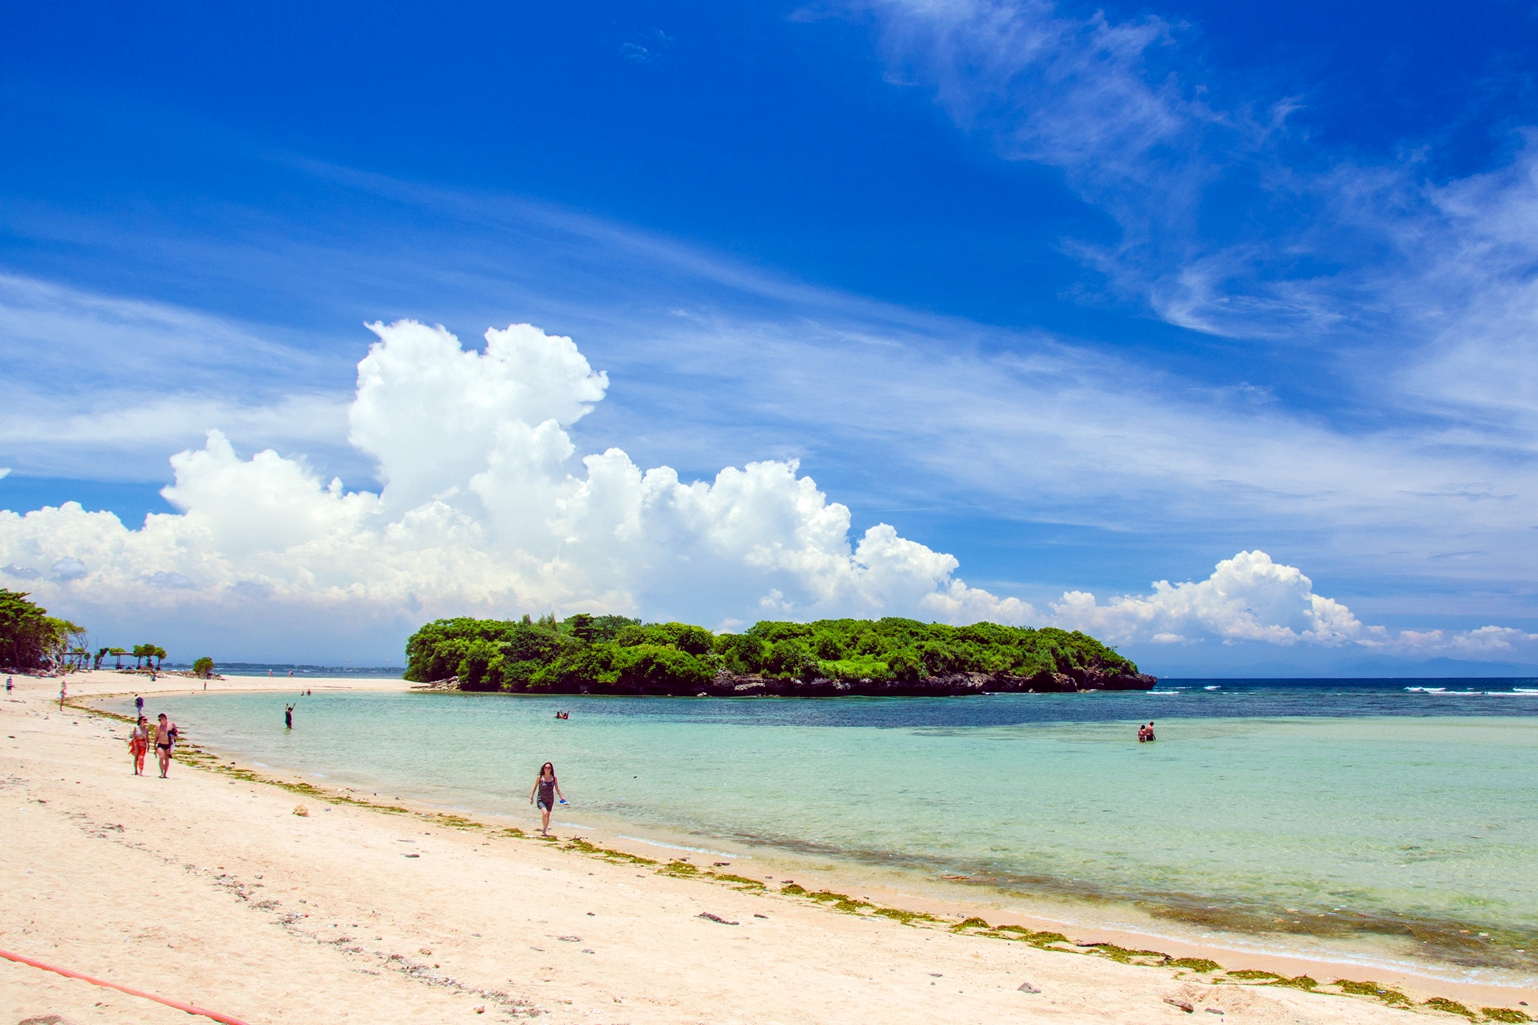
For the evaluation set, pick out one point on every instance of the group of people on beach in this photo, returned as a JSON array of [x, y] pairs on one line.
[[165, 733], [1145, 734], [545, 795]]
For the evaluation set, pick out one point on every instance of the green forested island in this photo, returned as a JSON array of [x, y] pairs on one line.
[[613, 654]]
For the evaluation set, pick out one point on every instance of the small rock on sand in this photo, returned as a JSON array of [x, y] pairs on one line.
[[1026, 987]]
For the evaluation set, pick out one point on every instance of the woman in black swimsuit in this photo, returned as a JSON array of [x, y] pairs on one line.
[[547, 790]]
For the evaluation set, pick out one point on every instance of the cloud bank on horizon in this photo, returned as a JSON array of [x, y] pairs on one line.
[[484, 511]]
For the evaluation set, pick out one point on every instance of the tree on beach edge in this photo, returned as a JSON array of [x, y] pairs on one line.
[[29, 637]]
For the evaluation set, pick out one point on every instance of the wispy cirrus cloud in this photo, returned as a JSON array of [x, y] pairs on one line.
[[101, 386], [1218, 228]]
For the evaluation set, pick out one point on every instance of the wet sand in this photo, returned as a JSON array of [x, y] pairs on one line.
[[209, 889]]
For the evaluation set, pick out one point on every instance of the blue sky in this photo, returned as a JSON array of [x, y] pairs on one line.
[[1087, 297]]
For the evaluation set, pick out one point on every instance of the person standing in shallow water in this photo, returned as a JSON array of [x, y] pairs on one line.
[[288, 717], [547, 790]]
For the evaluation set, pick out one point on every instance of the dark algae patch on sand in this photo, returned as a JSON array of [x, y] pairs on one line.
[[1371, 989]]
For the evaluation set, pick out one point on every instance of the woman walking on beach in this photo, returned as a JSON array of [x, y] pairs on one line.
[[547, 790], [165, 740], [138, 744]]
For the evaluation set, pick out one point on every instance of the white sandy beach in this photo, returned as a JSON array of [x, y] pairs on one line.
[[211, 890]]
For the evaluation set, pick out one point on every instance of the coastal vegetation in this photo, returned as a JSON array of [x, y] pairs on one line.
[[203, 668], [617, 654], [147, 652], [30, 637]]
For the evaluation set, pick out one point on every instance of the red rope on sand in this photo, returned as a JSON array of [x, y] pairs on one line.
[[216, 1016]]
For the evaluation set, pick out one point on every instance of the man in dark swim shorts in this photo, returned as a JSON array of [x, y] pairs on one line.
[[165, 740]]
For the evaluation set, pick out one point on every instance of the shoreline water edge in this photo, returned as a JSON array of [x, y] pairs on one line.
[[1189, 957]]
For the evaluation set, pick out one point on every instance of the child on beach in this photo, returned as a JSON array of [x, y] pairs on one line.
[[547, 790], [138, 744]]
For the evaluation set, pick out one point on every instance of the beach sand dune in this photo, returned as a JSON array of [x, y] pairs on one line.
[[212, 891]]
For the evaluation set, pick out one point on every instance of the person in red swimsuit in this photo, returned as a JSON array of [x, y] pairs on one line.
[[138, 744]]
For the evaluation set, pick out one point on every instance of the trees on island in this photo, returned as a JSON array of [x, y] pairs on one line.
[[625, 654]]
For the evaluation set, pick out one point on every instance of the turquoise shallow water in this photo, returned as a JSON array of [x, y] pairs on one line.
[[1300, 812]]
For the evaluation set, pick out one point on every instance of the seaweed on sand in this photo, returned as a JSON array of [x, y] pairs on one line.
[[905, 917], [740, 882], [971, 923], [1022, 934], [1371, 989], [607, 853], [840, 901], [1298, 982], [1451, 1007], [1122, 955], [1195, 964], [849, 905]]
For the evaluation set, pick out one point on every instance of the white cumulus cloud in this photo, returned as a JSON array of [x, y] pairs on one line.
[[1252, 598], [486, 509]]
